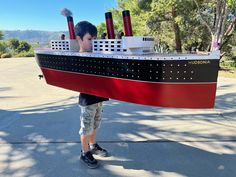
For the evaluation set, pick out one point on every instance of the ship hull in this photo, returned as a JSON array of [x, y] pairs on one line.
[[183, 92]]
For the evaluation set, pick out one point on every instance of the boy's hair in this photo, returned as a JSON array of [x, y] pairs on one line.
[[84, 27]]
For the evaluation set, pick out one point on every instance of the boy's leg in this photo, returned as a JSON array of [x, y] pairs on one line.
[[98, 116], [84, 143], [97, 122], [92, 137], [94, 147], [86, 128], [86, 124]]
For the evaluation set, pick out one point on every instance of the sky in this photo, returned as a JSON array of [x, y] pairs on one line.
[[45, 14]]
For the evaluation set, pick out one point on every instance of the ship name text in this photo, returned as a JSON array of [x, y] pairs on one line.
[[199, 62]]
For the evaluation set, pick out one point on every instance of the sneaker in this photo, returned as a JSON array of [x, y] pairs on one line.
[[89, 160], [97, 150]]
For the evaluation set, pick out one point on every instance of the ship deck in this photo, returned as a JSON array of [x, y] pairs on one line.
[[150, 56]]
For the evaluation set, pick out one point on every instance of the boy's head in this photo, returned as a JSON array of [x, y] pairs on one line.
[[85, 32]]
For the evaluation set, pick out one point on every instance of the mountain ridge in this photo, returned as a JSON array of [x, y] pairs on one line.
[[39, 37]]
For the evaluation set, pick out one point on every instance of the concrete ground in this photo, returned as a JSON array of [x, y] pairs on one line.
[[39, 137]]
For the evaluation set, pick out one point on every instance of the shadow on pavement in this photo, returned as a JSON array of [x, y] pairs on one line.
[[43, 141]]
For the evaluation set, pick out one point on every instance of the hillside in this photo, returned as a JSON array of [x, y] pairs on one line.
[[34, 37]]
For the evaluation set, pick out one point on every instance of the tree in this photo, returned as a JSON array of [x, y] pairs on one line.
[[191, 23], [145, 4], [3, 47], [138, 17], [215, 20], [1, 35], [170, 16], [18, 46], [13, 43], [219, 16], [101, 29], [24, 46]]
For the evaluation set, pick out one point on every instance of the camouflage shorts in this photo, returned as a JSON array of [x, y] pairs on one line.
[[90, 118]]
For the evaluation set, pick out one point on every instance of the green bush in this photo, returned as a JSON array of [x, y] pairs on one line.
[[23, 47], [25, 54], [228, 63], [3, 47], [234, 59], [6, 55]]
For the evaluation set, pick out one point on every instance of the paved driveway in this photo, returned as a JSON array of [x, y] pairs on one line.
[[39, 127]]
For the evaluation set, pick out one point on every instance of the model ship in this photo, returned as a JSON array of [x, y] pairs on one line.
[[129, 70]]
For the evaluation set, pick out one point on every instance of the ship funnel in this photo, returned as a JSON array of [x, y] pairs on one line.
[[127, 23], [67, 13], [109, 25]]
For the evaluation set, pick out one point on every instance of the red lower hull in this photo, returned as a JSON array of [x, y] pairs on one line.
[[177, 95]]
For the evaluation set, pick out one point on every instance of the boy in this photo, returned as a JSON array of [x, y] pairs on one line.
[[91, 106]]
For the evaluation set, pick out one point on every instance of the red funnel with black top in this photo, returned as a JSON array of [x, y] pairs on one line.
[[71, 27], [127, 23], [109, 25]]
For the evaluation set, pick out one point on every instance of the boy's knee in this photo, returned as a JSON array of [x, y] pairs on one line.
[[85, 132]]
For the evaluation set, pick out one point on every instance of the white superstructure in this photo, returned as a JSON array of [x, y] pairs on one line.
[[126, 45], [65, 45]]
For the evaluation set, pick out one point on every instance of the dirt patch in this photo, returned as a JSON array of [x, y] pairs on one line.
[[227, 73]]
